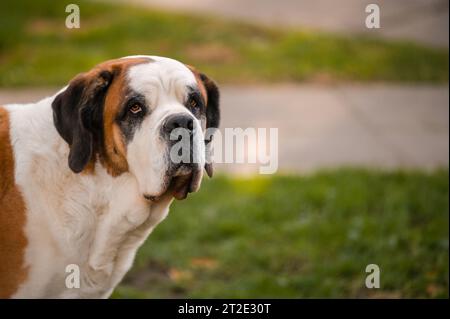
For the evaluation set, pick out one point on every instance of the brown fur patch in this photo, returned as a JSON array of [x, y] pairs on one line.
[[112, 154], [200, 83], [12, 218]]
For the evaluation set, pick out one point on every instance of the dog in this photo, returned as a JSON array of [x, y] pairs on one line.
[[85, 175]]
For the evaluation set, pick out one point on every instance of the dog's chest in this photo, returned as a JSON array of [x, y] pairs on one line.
[[113, 226], [94, 227]]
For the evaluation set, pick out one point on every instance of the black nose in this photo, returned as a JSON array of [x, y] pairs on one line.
[[178, 121]]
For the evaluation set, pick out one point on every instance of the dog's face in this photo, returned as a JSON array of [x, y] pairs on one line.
[[145, 115]]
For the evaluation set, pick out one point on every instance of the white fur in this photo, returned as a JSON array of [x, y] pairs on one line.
[[95, 221]]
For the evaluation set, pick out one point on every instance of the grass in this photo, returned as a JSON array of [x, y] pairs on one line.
[[301, 237], [37, 49]]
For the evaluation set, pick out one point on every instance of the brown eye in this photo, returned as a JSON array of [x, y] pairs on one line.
[[135, 109], [193, 103]]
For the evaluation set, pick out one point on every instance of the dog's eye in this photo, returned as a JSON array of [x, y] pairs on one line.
[[192, 102], [135, 108]]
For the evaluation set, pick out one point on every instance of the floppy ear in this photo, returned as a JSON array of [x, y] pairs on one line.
[[212, 114], [77, 115]]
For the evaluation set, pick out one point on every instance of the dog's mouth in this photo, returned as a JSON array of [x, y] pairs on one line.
[[188, 181], [183, 180]]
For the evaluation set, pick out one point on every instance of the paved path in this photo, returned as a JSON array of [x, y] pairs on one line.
[[425, 21], [382, 126]]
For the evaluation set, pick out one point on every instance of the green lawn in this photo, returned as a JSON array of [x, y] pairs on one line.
[[37, 49], [301, 237]]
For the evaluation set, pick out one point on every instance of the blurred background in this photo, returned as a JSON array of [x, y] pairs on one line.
[[363, 120]]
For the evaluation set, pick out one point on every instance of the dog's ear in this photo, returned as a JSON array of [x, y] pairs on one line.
[[78, 112], [212, 115], [212, 106]]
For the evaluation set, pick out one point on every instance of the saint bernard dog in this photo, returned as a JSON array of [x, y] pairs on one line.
[[85, 175]]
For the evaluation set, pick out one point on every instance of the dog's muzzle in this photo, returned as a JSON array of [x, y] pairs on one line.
[[184, 173]]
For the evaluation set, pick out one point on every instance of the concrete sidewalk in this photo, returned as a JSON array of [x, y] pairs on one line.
[[381, 126], [423, 21]]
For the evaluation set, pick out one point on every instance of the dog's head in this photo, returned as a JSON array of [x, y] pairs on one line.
[[145, 115]]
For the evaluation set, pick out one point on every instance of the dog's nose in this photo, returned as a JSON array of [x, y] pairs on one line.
[[179, 121]]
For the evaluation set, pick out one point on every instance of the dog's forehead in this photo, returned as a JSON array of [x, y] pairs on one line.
[[161, 73]]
